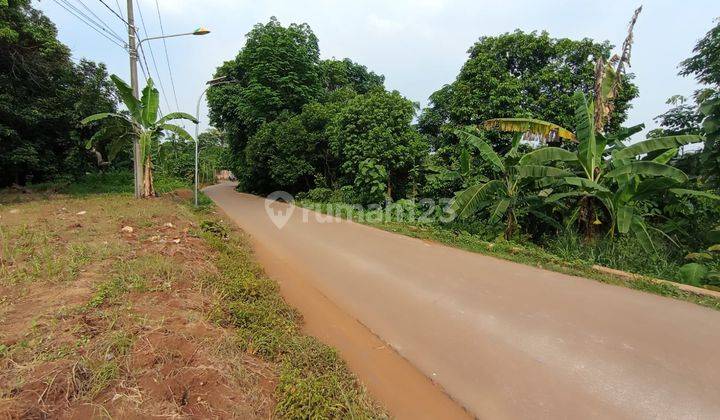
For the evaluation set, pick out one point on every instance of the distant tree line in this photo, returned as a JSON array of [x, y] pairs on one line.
[[43, 97], [296, 122]]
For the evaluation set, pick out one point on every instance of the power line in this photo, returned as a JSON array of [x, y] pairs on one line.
[[152, 54], [167, 56], [98, 18], [88, 19], [100, 31], [119, 16], [117, 3], [140, 52]]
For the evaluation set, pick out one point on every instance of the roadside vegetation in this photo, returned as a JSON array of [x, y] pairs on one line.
[[562, 174], [117, 307], [111, 306]]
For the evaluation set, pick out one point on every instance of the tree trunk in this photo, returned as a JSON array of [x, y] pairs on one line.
[[148, 185], [588, 216], [510, 228]]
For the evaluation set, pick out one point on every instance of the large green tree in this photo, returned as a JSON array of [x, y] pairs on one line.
[[520, 74], [337, 74], [281, 155], [43, 97], [277, 70], [704, 65], [378, 126], [282, 114]]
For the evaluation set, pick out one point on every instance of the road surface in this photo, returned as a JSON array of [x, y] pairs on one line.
[[503, 340]]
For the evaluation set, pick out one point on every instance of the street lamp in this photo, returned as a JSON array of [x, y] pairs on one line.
[[209, 83], [132, 50], [199, 31]]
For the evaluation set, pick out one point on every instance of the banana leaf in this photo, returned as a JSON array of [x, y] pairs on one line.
[[485, 150], [528, 125], [467, 201], [648, 168], [585, 131], [539, 171], [659, 143], [695, 193], [548, 154]]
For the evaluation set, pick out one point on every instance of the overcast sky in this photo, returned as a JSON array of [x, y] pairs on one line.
[[419, 45]]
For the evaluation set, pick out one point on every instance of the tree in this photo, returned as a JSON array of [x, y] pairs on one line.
[[143, 123], [377, 126], [44, 97], [338, 74], [504, 195], [521, 74], [705, 66], [280, 155], [176, 156], [682, 118], [609, 174], [278, 70], [705, 63]]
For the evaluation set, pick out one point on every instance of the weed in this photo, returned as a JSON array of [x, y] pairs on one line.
[[102, 375], [314, 381]]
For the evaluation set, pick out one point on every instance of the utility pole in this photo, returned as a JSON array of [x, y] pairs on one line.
[[137, 164]]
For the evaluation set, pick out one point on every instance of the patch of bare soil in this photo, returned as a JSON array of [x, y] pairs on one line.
[[114, 323]]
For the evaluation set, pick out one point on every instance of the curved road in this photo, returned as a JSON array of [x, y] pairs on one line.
[[504, 340]]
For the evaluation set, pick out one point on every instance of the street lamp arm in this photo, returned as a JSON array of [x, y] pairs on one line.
[[198, 31], [161, 37]]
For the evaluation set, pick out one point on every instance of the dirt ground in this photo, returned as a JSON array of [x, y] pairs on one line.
[[104, 313]]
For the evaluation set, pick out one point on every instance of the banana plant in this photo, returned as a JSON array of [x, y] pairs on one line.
[[504, 195], [614, 176], [142, 123], [544, 129]]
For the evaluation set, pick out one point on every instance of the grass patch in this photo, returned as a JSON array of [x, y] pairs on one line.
[[314, 380], [83, 350]]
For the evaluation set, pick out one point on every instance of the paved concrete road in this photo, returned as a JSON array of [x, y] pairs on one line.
[[503, 339]]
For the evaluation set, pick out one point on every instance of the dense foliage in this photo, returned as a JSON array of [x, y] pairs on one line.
[[377, 127], [295, 122], [329, 131], [277, 71], [142, 122], [43, 97], [519, 74]]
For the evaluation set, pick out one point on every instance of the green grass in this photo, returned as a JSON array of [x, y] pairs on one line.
[[314, 380], [111, 182]]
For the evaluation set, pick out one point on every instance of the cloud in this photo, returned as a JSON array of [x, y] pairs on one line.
[[384, 25]]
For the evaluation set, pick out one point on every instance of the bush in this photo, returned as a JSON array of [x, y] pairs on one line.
[[623, 252], [371, 182], [318, 195]]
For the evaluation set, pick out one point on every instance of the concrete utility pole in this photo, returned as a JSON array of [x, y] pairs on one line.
[[137, 164]]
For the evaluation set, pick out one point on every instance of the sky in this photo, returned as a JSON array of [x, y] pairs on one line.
[[419, 45]]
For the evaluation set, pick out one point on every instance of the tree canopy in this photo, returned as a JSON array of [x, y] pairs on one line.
[[277, 70], [44, 97], [520, 74], [295, 122], [377, 126], [337, 74], [705, 66]]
